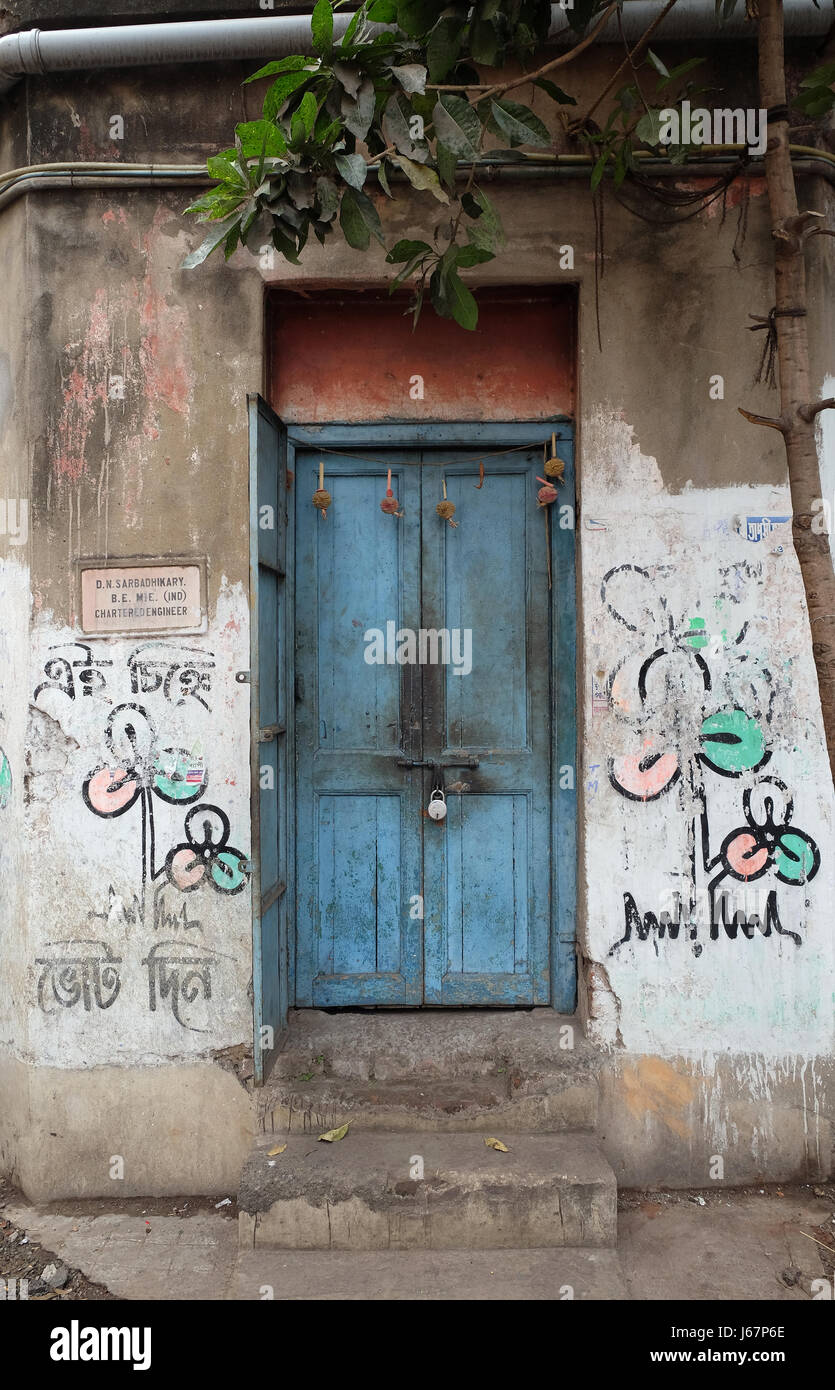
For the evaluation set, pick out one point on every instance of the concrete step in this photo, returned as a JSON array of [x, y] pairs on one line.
[[365, 1192], [557, 1101], [409, 1044]]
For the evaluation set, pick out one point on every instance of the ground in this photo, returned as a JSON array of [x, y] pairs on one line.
[[743, 1244]]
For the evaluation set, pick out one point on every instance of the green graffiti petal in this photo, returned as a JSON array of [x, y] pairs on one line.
[[732, 742], [170, 777], [5, 780], [228, 874], [794, 857]]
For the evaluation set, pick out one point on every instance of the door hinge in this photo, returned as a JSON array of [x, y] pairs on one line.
[[243, 677]]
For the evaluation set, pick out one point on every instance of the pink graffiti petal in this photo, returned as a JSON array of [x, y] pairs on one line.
[[111, 790], [744, 857], [632, 775], [185, 869]]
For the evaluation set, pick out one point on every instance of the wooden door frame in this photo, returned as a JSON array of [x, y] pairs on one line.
[[497, 435]]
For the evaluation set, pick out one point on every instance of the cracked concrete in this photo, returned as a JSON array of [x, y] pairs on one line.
[[739, 1246]]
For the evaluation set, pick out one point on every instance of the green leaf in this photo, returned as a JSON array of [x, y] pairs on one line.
[[420, 176], [396, 120], [657, 63], [407, 270], [817, 101], [350, 76], [353, 168], [223, 167], [260, 137], [457, 124], [447, 165], [411, 76], [487, 233], [321, 26], [648, 127], [220, 231], [308, 110], [282, 243], [281, 65], [415, 17], [359, 219], [383, 179], [450, 295], [484, 43], [555, 92], [679, 72], [358, 113], [473, 255], [281, 89], [443, 47], [327, 196], [821, 77], [518, 124], [405, 250], [598, 171], [347, 38], [383, 11], [301, 190]]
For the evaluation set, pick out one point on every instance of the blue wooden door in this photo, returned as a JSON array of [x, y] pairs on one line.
[[393, 907]]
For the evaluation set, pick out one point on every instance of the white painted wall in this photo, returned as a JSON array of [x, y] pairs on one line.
[[84, 871], [766, 995]]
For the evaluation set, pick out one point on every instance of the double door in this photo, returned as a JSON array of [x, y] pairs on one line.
[[423, 662]]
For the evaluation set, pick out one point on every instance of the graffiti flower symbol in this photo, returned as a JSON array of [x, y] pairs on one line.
[[207, 859], [765, 842], [138, 766]]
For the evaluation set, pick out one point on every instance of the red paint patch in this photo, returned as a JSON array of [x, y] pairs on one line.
[[353, 357], [84, 388]]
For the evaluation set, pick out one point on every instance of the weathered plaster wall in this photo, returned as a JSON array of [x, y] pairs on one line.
[[706, 1047]]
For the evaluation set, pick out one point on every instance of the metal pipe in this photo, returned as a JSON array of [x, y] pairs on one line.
[[697, 19], [38, 178], [34, 51]]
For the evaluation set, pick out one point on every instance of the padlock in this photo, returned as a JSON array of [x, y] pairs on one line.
[[437, 804]]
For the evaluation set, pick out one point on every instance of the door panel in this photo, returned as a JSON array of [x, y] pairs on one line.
[[487, 869], [365, 847], [358, 856]]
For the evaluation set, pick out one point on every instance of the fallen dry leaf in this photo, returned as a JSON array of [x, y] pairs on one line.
[[334, 1134], [279, 1149], [497, 1145]]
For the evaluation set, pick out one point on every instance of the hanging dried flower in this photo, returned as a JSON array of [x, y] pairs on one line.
[[390, 504], [321, 497], [554, 466], [445, 509]]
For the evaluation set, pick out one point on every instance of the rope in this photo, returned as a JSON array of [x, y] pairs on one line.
[[442, 463], [768, 359]]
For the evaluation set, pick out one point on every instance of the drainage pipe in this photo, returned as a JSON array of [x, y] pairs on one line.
[[36, 51]]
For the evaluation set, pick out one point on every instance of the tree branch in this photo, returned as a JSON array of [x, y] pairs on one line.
[[630, 58], [808, 412], [502, 87], [762, 420]]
